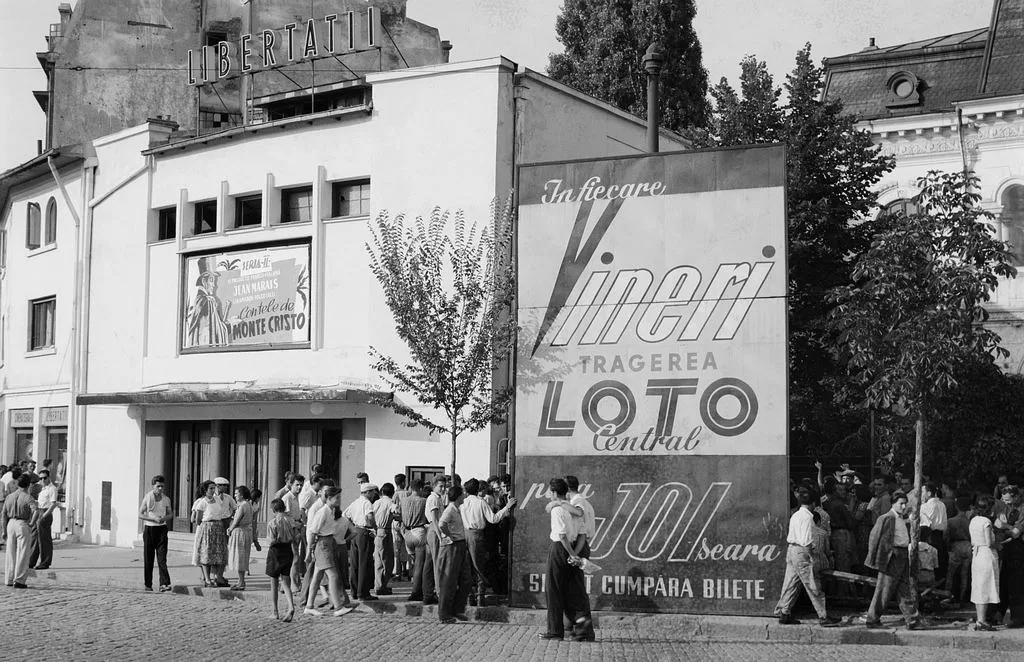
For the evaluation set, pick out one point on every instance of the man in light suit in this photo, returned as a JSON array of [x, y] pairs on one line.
[[889, 554]]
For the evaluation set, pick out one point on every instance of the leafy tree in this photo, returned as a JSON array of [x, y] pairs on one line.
[[605, 41], [450, 290], [832, 169], [910, 324]]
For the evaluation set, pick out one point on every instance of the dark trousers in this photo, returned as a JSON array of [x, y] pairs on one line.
[[453, 564], [479, 556], [42, 547], [154, 544], [566, 592], [895, 578], [360, 558], [938, 541]]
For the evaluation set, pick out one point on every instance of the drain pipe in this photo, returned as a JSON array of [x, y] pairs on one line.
[[73, 457]]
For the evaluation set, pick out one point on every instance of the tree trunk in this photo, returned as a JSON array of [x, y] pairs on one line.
[[915, 511], [455, 437]]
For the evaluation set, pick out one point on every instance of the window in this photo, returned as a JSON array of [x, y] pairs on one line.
[[902, 206], [904, 90], [43, 318], [33, 230], [206, 217], [297, 205], [166, 223], [248, 210], [350, 198], [1011, 218], [51, 222]]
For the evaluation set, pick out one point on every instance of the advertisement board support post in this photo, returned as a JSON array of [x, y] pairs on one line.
[[653, 61]]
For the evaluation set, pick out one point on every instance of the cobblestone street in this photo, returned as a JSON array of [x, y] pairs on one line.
[[90, 624]]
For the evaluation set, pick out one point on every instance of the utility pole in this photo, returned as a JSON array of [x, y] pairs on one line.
[[653, 62]]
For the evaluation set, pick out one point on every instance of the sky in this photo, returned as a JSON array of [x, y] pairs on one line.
[[524, 31]]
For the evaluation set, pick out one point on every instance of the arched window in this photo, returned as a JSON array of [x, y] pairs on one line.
[[51, 222], [903, 206], [1011, 218], [33, 229]]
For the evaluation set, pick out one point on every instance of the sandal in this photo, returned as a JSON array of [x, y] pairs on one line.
[[983, 627]]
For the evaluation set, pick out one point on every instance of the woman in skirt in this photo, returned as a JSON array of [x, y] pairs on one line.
[[241, 533], [984, 564], [211, 544], [280, 533], [321, 552]]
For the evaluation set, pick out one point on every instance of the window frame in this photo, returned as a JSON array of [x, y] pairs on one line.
[[160, 223], [197, 218], [336, 209], [286, 194], [241, 202], [33, 305], [49, 229], [35, 220]]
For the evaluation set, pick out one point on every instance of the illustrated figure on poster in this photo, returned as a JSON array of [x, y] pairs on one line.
[[207, 320]]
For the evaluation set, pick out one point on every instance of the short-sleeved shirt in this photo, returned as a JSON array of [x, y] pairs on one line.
[[158, 510], [450, 525], [292, 508], [19, 505], [589, 523], [801, 525], [360, 512], [434, 503], [307, 496], [210, 511], [562, 524], [414, 512], [383, 509], [47, 496], [280, 529]]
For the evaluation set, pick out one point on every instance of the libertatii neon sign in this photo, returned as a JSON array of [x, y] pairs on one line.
[[317, 39]]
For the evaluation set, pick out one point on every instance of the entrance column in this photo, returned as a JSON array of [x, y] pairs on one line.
[[218, 449], [274, 455]]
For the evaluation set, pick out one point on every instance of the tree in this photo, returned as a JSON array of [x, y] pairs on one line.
[[450, 289], [911, 323], [605, 41], [832, 169]]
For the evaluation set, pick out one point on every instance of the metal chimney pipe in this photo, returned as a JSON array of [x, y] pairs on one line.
[[446, 50], [653, 61]]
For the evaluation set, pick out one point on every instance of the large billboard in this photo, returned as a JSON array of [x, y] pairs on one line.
[[246, 299], [652, 365]]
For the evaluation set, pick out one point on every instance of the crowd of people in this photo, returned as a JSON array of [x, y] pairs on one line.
[[26, 521], [968, 550], [447, 538]]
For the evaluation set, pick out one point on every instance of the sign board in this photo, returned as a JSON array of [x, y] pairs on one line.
[[652, 365], [247, 299], [22, 418], [54, 416], [300, 41]]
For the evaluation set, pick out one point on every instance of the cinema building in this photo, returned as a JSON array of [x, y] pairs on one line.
[[224, 309]]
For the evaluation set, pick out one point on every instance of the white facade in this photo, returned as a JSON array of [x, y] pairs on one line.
[[446, 135]]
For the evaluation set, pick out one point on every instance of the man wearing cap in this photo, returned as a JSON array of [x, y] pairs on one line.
[[17, 519], [227, 510], [360, 513]]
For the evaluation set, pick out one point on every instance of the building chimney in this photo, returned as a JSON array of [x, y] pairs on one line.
[[871, 45], [446, 50], [39, 147], [653, 61], [65, 13]]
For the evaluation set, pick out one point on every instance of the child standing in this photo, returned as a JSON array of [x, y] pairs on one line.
[[280, 535]]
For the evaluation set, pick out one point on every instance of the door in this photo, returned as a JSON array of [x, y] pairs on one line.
[[330, 451], [191, 467]]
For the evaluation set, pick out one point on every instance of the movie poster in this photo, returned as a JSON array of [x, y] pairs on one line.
[[247, 299]]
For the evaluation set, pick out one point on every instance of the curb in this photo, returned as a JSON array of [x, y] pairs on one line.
[[664, 627]]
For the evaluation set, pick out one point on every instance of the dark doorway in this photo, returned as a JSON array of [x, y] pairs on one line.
[[330, 451]]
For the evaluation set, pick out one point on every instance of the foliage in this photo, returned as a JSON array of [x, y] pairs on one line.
[[910, 323], [605, 41], [832, 169], [450, 288]]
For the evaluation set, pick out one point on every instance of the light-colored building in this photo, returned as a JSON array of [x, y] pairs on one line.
[[949, 103]]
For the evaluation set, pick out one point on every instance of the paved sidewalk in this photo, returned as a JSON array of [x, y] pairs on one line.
[[121, 569]]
